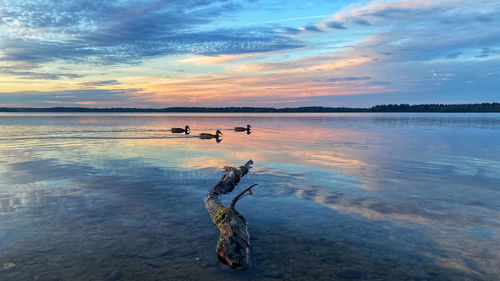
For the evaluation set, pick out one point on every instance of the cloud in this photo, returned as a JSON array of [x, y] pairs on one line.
[[453, 55], [218, 59], [126, 32], [362, 22], [99, 83], [283, 81], [70, 98], [394, 12], [343, 79], [312, 28], [295, 19], [483, 18], [37, 75], [378, 83], [34, 51], [335, 25], [291, 30], [413, 30]]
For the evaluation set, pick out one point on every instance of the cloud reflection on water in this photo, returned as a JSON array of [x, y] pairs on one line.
[[404, 174]]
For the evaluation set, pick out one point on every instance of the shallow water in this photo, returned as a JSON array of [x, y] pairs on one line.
[[340, 196]]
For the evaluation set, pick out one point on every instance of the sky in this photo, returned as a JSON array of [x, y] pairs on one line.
[[86, 53]]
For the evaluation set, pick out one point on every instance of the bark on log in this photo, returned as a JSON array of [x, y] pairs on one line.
[[234, 241]]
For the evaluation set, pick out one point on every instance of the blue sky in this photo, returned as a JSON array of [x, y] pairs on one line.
[[248, 53]]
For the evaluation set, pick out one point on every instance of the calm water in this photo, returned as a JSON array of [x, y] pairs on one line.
[[340, 196]]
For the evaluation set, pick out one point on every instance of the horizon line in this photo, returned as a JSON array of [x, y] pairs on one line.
[[464, 107]]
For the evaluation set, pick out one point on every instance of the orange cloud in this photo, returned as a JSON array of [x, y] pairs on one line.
[[209, 60], [290, 80]]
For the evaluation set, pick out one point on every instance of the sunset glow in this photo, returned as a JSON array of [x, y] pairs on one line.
[[239, 53]]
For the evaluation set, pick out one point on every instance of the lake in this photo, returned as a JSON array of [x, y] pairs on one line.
[[340, 196]]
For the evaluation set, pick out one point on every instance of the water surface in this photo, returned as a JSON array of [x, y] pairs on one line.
[[340, 196]]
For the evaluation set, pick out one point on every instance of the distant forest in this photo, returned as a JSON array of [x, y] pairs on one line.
[[476, 107]]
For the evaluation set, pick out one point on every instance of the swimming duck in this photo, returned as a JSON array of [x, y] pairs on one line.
[[210, 136], [181, 130], [242, 129]]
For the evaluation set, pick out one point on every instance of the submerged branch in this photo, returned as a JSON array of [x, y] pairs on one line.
[[241, 195], [234, 241]]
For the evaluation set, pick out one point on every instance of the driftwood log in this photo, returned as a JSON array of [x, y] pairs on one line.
[[234, 241]]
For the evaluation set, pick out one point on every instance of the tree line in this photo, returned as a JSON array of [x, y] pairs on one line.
[[475, 107], [471, 107]]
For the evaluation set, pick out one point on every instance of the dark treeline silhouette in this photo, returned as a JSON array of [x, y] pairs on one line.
[[191, 109], [477, 107]]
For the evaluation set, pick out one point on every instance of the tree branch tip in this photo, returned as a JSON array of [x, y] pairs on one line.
[[241, 195]]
